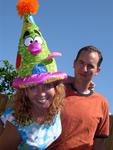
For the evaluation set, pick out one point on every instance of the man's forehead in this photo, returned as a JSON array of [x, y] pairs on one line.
[[89, 57], [88, 53]]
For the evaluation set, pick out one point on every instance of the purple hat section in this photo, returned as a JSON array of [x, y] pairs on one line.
[[35, 79]]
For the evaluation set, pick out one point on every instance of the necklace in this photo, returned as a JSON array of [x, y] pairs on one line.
[[80, 93]]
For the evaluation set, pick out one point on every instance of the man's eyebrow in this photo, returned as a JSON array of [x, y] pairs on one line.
[[26, 34], [91, 65], [37, 32]]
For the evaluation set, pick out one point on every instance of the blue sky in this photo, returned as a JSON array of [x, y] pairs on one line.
[[66, 26]]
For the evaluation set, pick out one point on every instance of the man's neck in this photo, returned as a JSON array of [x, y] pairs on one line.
[[82, 87]]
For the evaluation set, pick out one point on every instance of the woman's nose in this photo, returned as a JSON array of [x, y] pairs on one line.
[[41, 91], [43, 94]]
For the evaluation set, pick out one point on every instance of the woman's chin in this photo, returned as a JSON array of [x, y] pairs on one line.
[[44, 104]]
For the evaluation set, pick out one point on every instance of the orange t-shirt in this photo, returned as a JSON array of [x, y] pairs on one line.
[[82, 118]]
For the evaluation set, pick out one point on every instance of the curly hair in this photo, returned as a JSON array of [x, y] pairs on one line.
[[22, 105]]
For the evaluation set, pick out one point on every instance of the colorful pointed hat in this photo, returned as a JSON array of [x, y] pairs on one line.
[[35, 63]]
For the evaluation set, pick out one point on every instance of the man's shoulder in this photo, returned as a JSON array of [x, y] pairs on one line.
[[100, 96]]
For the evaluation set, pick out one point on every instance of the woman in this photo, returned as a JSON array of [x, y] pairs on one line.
[[33, 121]]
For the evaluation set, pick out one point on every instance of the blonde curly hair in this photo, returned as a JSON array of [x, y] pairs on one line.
[[22, 105]]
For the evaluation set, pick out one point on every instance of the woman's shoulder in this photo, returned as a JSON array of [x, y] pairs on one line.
[[7, 115]]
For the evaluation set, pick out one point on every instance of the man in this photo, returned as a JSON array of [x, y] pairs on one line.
[[85, 117]]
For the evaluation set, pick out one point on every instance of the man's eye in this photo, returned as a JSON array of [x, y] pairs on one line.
[[90, 66]]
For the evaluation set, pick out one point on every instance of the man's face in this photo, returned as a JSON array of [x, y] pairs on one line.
[[86, 66]]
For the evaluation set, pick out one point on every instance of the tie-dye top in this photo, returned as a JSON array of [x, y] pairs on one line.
[[34, 136]]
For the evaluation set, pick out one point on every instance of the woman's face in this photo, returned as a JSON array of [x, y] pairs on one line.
[[42, 95]]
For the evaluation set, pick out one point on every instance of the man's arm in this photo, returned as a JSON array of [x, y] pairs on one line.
[[1, 127]]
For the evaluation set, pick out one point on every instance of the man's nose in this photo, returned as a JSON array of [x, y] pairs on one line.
[[85, 68]]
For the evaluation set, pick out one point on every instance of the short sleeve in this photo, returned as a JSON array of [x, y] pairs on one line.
[[7, 116], [103, 126]]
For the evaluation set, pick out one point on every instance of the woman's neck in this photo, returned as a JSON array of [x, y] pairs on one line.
[[39, 115]]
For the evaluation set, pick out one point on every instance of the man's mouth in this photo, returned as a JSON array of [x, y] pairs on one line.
[[83, 75]]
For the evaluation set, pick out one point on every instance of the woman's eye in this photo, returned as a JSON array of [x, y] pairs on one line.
[[28, 41], [33, 88], [48, 86], [38, 39]]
